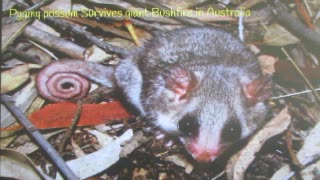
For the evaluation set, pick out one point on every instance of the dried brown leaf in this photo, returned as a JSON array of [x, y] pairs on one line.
[[18, 166], [96, 54], [13, 78], [267, 63], [136, 141], [98, 161], [277, 35]]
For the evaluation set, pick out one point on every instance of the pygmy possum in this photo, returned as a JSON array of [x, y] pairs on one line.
[[199, 84]]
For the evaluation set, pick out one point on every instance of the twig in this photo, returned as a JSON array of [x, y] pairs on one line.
[[130, 27], [95, 96], [295, 162], [293, 94], [72, 127], [222, 173], [46, 50], [37, 136]]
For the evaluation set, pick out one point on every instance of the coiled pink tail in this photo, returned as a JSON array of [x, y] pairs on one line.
[[67, 80]]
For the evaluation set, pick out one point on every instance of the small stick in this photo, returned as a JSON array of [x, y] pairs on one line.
[[96, 95], [292, 154], [72, 127], [37, 136], [294, 94], [129, 26]]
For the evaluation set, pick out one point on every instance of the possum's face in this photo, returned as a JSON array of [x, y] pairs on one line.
[[217, 123], [208, 110]]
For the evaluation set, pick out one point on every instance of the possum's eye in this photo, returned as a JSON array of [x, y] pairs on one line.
[[189, 126], [231, 131]]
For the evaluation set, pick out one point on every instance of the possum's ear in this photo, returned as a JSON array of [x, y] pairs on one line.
[[258, 90], [182, 81]]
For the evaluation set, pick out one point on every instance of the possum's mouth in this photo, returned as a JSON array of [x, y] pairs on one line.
[[205, 155]]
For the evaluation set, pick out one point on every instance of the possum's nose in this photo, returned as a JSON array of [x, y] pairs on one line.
[[204, 154]]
